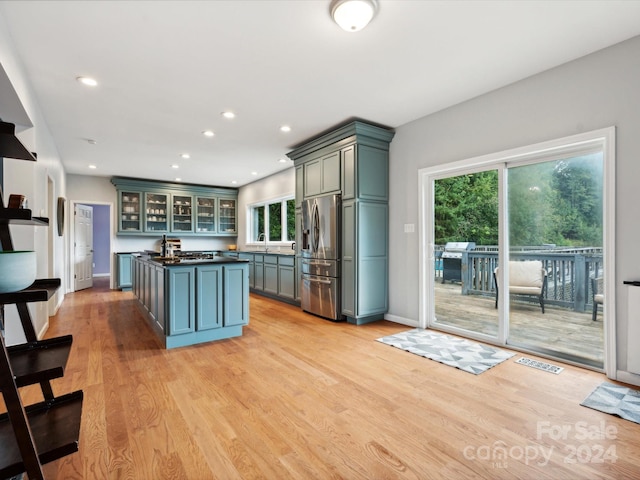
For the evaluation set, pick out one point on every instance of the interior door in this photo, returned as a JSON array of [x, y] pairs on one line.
[[83, 241]]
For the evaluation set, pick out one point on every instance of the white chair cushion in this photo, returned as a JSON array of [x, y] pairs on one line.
[[598, 298], [529, 275]]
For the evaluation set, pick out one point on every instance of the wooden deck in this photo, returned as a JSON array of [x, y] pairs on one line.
[[569, 333]]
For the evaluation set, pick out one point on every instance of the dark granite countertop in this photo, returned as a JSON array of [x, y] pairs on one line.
[[182, 262]]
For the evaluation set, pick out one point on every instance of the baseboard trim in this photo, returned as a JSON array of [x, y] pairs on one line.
[[627, 377], [401, 320]]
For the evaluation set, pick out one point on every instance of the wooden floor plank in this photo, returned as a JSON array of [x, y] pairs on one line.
[[301, 397]]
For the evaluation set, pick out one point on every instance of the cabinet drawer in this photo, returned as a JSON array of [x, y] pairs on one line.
[[287, 261], [258, 258], [271, 259]]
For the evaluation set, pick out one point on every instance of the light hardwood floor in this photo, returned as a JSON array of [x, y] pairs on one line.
[[300, 397]]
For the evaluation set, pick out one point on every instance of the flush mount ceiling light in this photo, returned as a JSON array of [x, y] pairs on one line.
[[185, 156], [353, 15], [208, 133], [228, 114], [91, 82], [285, 128]]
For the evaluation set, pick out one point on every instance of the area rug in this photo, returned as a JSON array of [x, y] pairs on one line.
[[615, 400], [453, 351]]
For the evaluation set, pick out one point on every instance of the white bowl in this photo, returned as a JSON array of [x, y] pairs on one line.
[[17, 270]]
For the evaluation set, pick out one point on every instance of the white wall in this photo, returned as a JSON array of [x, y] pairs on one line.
[[31, 179], [596, 91]]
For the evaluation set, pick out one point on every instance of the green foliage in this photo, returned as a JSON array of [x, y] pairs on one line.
[[557, 202], [291, 220], [275, 222], [466, 208]]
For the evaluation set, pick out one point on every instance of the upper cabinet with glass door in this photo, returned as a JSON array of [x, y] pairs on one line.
[[205, 214], [227, 216], [151, 208], [129, 213], [182, 214], [156, 212]]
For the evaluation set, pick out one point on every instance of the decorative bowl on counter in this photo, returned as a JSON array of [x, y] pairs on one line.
[[232, 248], [17, 270]]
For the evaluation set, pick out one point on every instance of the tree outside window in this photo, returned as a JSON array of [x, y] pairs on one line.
[[275, 219]]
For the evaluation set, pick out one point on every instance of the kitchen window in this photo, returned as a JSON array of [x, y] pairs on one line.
[[272, 221]]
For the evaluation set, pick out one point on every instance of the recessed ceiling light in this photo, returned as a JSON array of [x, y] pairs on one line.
[[92, 167], [285, 128], [186, 156], [254, 173], [228, 114], [91, 141], [208, 133], [233, 182], [175, 166], [283, 160], [91, 82], [178, 179]]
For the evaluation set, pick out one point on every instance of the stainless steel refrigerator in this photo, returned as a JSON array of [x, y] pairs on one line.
[[320, 289]]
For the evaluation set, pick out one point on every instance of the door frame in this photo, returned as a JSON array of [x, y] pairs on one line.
[[70, 220], [605, 139]]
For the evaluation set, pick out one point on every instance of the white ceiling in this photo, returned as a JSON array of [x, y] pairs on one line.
[[167, 69]]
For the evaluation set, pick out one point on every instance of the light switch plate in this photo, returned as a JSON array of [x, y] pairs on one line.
[[409, 228]]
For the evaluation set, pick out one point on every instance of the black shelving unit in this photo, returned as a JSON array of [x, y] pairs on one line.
[[33, 435]]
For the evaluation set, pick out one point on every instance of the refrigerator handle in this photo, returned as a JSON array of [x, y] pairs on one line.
[[316, 227]]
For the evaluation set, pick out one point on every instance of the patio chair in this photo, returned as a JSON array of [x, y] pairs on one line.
[[598, 298], [525, 278]]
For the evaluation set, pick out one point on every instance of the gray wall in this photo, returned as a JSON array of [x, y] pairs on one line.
[[596, 91]]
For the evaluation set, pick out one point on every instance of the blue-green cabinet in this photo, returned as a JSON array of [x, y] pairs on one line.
[[250, 262], [148, 208], [182, 213], [156, 212], [181, 287], [209, 297], [360, 153], [124, 265], [258, 272], [271, 274], [322, 175], [236, 294], [130, 211], [287, 277], [186, 305]]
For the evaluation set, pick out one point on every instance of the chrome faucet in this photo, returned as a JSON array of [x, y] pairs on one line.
[[263, 238]]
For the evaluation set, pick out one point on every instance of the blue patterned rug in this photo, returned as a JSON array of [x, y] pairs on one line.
[[453, 351], [615, 400]]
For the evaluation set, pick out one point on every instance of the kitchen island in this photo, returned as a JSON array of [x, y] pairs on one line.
[[192, 301]]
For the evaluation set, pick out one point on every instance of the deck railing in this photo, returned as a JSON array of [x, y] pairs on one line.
[[569, 271]]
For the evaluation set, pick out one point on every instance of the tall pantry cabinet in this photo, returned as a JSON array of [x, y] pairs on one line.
[[353, 160]]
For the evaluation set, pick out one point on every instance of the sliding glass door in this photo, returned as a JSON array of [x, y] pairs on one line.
[[516, 251], [555, 255], [465, 251]]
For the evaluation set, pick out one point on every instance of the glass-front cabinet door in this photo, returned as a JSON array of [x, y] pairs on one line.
[[130, 215], [156, 213], [182, 213], [227, 215], [205, 215]]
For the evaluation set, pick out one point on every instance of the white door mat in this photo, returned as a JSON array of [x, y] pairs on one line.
[[547, 367]]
